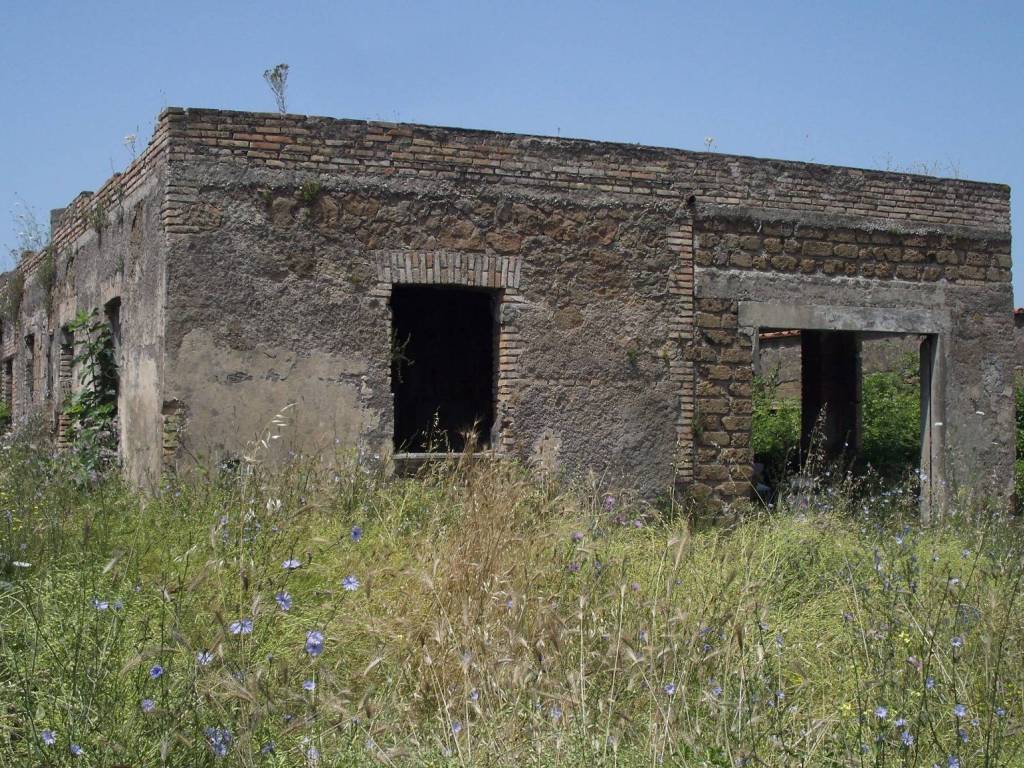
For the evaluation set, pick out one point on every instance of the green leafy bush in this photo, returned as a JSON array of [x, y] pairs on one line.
[[775, 427], [891, 433], [891, 408]]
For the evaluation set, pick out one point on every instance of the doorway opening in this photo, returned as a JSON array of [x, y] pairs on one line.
[[859, 399], [443, 367]]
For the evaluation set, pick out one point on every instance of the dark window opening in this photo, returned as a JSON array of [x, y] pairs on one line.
[[112, 369], [30, 369], [8, 392], [442, 367], [65, 375]]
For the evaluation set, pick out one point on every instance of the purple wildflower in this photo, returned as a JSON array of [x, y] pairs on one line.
[[283, 600], [350, 583], [220, 740], [309, 685], [147, 705], [291, 564], [241, 627], [155, 671], [670, 689], [314, 642], [204, 658], [49, 737], [76, 750], [959, 711], [881, 713], [357, 533], [456, 727]]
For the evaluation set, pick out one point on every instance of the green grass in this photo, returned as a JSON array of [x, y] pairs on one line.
[[542, 623]]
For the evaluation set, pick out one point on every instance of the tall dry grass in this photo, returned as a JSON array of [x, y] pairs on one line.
[[479, 616]]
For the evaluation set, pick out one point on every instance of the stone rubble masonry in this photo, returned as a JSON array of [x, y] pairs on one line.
[[256, 253]]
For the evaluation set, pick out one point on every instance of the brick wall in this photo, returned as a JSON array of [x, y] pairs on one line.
[[325, 145]]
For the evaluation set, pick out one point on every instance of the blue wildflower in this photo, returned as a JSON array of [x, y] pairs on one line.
[[957, 642], [155, 671], [716, 689], [962, 734], [670, 689], [241, 627], [204, 658], [929, 682], [291, 564], [357, 533], [456, 727], [147, 705], [959, 711], [283, 600], [100, 605], [49, 737], [314, 642], [952, 762], [312, 755], [474, 695], [1000, 712], [220, 740], [907, 739], [881, 713], [350, 583], [268, 748], [309, 685], [76, 750]]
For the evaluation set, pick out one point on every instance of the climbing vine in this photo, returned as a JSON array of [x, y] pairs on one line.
[[92, 410]]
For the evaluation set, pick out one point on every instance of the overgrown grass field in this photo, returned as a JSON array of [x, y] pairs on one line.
[[478, 616]]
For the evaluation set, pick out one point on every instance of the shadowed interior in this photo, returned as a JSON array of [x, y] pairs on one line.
[[442, 367]]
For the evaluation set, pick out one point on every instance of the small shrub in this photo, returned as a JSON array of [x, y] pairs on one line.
[[309, 192]]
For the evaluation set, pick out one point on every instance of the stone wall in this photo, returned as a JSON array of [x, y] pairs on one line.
[[104, 246], [621, 272]]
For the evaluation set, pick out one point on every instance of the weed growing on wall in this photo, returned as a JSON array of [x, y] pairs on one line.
[[93, 407], [13, 295], [277, 80]]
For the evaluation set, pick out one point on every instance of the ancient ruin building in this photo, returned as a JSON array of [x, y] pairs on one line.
[[586, 305]]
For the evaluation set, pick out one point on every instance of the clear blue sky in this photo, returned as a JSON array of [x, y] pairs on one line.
[[865, 83]]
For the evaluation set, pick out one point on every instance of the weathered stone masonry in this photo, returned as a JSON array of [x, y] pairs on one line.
[[256, 255]]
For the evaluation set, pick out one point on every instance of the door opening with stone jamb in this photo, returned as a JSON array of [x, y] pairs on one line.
[[830, 384]]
